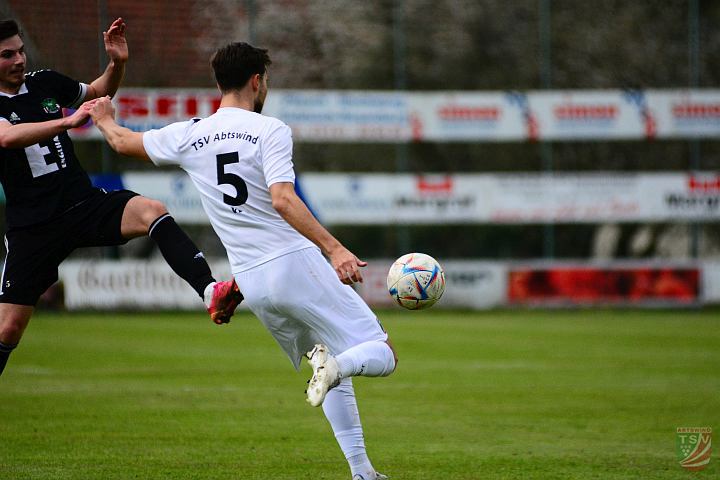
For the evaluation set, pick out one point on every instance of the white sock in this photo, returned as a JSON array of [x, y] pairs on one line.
[[341, 410], [208, 294], [369, 359]]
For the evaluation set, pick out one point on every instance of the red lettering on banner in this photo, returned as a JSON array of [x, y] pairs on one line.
[[133, 106], [164, 105], [704, 185], [455, 112], [442, 185], [533, 127], [696, 110], [586, 112], [416, 127], [191, 106]]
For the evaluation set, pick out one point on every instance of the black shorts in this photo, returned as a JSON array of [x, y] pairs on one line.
[[35, 252]]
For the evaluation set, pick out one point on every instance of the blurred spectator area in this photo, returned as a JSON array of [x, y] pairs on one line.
[[422, 45], [163, 37]]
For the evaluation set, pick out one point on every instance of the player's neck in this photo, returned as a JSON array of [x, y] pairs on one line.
[[237, 100]]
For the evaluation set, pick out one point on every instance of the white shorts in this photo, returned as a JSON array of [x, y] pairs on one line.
[[300, 300]]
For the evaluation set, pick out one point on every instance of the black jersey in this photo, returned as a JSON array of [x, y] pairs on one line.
[[43, 180]]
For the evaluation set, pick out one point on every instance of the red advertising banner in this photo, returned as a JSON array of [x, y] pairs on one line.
[[568, 286]]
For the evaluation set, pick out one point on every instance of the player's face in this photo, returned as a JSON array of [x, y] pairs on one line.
[[12, 63], [261, 94]]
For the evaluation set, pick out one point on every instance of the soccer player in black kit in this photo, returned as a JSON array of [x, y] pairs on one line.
[[51, 206]]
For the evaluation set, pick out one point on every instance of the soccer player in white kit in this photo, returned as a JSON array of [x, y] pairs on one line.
[[241, 163]]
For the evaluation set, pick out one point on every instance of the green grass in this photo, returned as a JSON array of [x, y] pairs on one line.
[[578, 394]]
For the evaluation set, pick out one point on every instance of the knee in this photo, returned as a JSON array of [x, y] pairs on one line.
[[394, 353], [152, 209], [149, 210], [12, 328]]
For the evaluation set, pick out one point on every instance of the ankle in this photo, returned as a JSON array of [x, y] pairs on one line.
[[208, 294]]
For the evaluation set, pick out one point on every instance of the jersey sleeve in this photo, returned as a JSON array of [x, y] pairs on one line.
[[68, 92], [277, 155], [163, 145]]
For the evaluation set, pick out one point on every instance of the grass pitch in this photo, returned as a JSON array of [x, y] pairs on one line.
[[493, 395]]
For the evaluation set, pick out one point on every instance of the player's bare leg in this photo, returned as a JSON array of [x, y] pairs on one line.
[[13, 321], [143, 216]]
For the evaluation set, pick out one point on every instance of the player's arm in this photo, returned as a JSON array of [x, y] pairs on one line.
[[296, 213], [25, 134], [117, 50], [121, 139]]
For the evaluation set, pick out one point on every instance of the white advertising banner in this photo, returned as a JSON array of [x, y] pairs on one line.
[[395, 116], [530, 198], [685, 113], [469, 284], [328, 116], [578, 115], [137, 284], [132, 284], [492, 116], [385, 199]]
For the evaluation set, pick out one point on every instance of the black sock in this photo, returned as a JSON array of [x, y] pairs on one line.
[[181, 253], [5, 350]]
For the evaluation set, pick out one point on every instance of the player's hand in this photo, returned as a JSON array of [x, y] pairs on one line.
[[347, 266], [79, 116], [101, 108], [115, 42]]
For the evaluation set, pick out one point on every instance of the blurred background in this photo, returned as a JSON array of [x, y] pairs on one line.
[[547, 152]]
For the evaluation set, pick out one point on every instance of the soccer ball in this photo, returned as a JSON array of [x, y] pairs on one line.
[[416, 281]]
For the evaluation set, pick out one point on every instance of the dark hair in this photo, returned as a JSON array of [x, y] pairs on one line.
[[8, 28], [235, 63]]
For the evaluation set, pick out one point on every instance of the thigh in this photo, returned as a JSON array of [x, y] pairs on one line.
[[332, 307], [97, 222], [31, 264], [302, 302], [139, 216], [34, 253]]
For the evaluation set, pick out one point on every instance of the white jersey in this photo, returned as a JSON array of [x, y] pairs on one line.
[[233, 157]]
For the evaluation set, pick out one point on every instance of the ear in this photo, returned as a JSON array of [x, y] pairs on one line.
[[255, 82]]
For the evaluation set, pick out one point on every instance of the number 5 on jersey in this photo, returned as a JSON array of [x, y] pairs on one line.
[[236, 181]]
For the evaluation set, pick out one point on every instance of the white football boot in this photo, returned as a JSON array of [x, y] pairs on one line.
[[378, 476], [326, 374]]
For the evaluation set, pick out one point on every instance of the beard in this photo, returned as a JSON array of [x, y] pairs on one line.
[[260, 99], [258, 106]]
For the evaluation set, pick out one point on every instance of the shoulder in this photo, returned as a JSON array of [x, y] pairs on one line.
[[176, 133], [40, 76], [50, 80], [275, 126], [274, 122]]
